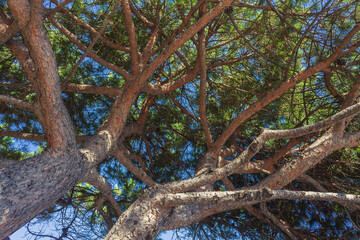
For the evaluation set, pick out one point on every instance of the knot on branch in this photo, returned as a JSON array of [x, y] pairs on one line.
[[266, 193]]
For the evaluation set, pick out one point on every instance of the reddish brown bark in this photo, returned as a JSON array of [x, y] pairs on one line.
[[49, 176]]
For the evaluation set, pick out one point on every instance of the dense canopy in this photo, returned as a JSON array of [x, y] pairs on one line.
[[222, 119]]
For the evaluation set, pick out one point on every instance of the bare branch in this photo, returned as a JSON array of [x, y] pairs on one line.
[[268, 164], [301, 131], [17, 103], [203, 77], [240, 198], [34, 137], [311, 156], [130, 28], [91, 89]]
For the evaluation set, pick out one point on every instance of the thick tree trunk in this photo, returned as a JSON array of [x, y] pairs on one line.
[[31, 186], [142, 220]]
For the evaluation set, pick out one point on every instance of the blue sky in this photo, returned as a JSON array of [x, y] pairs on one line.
[[22, 233]]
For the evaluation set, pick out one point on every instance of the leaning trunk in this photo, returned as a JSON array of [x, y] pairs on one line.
[[31, 186]]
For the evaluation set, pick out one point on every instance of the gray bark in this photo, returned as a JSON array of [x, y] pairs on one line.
[[28, 187]]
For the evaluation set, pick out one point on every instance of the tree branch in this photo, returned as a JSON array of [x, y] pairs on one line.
[[94, 178], [203, 76], [283, 87], [139, 173], [91, 29], [301, 131], [240, 198], [130, 28], [182, 108], [330, 87], [283, 227], [178, 42], [91, 89], [157, 89], [59, 7], [17, 103], [92, 55], [324, 143], [50, 109], [88, 49], [311, 156]]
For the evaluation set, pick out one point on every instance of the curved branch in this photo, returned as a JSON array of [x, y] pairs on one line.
[[318, 150], [330, 87], [283, 87], [50, 109]]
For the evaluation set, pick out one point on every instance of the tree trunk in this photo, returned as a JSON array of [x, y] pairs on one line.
[[142, 220], [31, 186]]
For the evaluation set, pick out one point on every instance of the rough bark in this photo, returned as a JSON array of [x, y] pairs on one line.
[[28, 187]]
